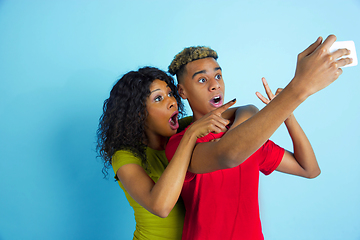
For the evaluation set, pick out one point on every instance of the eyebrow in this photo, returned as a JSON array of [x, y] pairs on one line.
[[167, 86], [204, 71], [154, 90]]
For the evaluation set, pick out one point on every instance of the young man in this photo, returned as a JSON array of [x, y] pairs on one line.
[[220, 191]]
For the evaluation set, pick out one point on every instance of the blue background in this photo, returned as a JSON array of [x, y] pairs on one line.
[[59, 60]]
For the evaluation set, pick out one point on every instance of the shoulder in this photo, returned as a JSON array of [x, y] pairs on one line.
[[184, 123], [247, 110], [123, 157], [243, 113], [173, 143]]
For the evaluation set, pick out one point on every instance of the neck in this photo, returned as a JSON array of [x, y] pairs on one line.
[[197, 116], [156, 142]]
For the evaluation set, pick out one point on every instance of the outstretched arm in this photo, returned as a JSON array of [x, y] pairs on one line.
[[303, 161], [159, 198], [316, 69]]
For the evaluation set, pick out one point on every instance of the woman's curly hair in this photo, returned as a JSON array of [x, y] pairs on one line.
[[121, 126]]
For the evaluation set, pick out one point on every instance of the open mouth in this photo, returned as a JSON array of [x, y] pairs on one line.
[[216, 101], [174, 124]]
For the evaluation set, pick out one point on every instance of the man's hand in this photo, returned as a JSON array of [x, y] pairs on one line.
[[270, 95], [317, 67], [268, 91]]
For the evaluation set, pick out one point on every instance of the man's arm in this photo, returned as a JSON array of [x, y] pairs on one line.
[[303, 161], [316, 69]]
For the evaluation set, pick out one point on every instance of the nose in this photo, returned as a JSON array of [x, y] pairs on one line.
[[172, 102], [213, 85]]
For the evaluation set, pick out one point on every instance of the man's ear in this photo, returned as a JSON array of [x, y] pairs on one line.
[[181, 91]]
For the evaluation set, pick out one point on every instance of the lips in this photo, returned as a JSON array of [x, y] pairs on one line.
[[173, 121], [217, 101]]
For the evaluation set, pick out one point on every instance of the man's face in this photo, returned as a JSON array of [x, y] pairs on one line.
[[202, 85]]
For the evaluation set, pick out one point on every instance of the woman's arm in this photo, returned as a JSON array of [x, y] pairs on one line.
[[159, 198], [303, 161]]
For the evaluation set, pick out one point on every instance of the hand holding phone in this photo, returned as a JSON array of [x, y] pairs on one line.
[[350, 45]]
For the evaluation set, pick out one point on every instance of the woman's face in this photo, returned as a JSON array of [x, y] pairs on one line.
[[162, 110]]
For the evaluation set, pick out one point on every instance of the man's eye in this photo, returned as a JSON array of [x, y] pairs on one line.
[[158, 99], [202, 80], [218, 77]]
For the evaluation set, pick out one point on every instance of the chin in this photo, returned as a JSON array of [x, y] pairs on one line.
[[173, 132], [170, 133]]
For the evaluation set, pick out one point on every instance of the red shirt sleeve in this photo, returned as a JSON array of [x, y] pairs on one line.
[[170, 150], [272, 155], [172, 145]]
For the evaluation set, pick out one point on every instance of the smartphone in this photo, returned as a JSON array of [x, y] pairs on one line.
[[348, 45]]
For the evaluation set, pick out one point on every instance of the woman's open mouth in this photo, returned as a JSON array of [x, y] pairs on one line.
[[174, 124]]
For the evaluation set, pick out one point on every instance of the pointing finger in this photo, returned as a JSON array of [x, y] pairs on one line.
[[224, 107]]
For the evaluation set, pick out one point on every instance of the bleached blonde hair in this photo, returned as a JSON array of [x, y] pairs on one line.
[[187, 55]]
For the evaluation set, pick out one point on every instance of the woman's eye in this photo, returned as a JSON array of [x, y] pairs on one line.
[[202, 80], [158, 99], [170, 94], [218, 77]]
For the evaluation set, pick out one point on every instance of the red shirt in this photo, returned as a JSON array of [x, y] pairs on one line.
[[224, 204]]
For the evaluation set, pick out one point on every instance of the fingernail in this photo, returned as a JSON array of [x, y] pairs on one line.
[[233, 100]]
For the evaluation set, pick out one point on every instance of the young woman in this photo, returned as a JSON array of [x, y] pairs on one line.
[[138, 118]]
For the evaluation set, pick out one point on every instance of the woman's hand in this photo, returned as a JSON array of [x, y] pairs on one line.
[[211, 122]]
